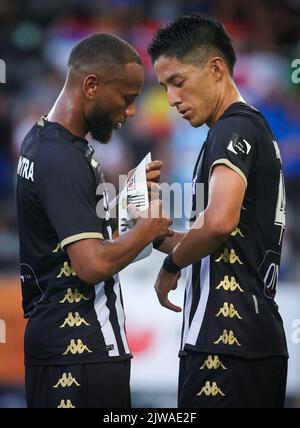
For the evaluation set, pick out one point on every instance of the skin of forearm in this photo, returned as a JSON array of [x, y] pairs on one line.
[[119, 253], [200, 241], [170, 243]]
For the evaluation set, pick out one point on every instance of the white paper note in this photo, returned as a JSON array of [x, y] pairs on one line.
[[135, 193]]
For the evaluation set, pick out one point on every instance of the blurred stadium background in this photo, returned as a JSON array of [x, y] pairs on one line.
[[35, 40]]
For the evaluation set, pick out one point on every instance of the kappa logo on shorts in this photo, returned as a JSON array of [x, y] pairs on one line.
[[211, 390], [67, 380], [239, 146], [213, 363]]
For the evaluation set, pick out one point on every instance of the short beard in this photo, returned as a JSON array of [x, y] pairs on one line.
[[100, 125]]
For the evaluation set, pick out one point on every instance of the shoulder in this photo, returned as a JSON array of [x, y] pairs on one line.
[[60, 156]]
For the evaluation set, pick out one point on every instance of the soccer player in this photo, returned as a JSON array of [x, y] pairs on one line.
[[76, 350], [233, 350]]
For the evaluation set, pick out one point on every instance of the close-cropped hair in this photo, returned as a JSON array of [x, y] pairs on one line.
[[104, 49], [193, 38]]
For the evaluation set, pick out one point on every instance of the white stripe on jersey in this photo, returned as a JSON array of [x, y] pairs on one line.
[[188, 302], [102, 313], [200, 311], [120, 312]]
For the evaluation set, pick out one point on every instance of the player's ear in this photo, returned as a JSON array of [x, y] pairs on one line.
[[90, 86], [218, 67]]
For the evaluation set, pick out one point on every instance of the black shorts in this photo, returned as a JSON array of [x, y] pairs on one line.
[[212, 381], [100, 385]]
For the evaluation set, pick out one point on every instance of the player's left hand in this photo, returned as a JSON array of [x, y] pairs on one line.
[[166, 282]]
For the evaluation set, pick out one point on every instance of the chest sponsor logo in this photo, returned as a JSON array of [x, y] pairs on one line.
[[25, 168], [77, 348], [229, 284], [73, 296], [66, 380], [213, 362], [227, 338], [211, 390]]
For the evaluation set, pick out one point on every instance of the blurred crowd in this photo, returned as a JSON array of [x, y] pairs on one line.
[[36, 38]]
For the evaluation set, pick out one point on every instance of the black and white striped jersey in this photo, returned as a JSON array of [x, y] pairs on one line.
[[69, 321], [229, 298]]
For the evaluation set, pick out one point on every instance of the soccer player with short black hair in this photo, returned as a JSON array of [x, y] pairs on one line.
[[76, 350], [233, 351]]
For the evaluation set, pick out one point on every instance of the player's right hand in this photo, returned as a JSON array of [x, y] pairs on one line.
[[152, 220]]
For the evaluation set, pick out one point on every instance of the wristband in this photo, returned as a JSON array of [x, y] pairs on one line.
[[157, 243], [170, 266]]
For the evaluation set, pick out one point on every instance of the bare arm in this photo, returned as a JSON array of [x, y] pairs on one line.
[[94, 260], [222, 215]]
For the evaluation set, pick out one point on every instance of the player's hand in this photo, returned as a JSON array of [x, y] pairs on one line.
[[166, 282], [152, 220], [153, 173]]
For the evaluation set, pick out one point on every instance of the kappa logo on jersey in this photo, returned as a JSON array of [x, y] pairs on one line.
[[213, 363], [73, 296], [228, 338], [25, 168], [229, 284], [227, 257], [77, 348], [74, 321], [66, 380], [66, 405], [228, 310], [66, 270], [239, 146], [237, 231], [211, 390]]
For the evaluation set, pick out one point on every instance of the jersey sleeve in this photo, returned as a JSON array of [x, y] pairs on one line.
[[233, 142], [66, 187]]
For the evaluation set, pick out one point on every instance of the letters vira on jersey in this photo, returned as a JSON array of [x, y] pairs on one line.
[[25, 168]]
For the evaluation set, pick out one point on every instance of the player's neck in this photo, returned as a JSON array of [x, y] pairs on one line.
[[66, 113], [229, 95]]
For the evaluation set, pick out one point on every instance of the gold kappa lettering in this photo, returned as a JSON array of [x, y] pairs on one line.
[[237, 231], [213, 362], [76, 348], [66, 270], [66, 380], [74, 321], [229, 285], [73, 296], [227, 257], [228, 338], [211, 390], [228, 310], [66, 405]]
